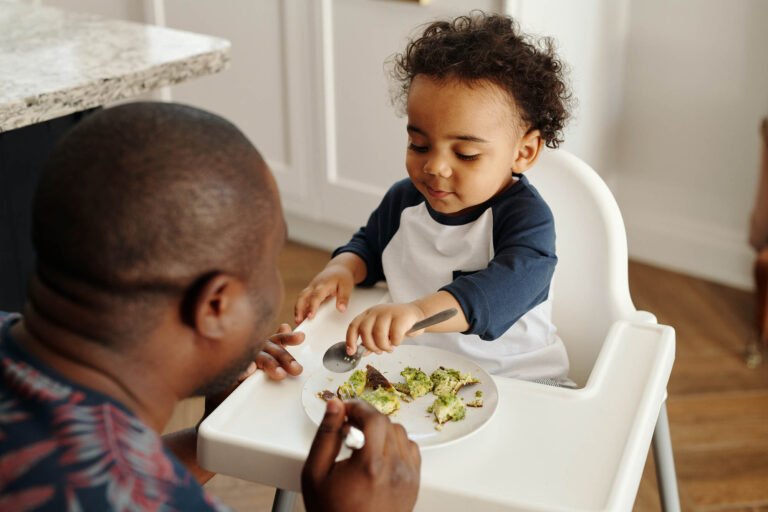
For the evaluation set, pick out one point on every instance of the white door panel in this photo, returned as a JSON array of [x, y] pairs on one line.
[[267, 87], [363, 137]]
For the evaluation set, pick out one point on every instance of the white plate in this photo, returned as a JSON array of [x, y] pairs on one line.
[[419, 424]]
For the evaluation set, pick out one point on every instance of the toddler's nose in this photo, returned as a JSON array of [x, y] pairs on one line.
[[437, 167]]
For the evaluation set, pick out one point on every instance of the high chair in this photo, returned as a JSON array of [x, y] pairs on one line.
[[545, 447], [590, 287]]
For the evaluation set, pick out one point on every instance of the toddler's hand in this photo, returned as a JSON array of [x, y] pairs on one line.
[[382, 327], [334, 280]]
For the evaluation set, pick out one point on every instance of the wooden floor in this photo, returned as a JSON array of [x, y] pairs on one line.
[[718, 408]]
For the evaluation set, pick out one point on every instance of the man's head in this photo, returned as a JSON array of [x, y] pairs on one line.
[[156, 214]]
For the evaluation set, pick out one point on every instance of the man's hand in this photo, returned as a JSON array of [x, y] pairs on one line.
[[383, 475]]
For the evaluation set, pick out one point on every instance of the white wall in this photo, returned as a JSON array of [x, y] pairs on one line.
[[590, 38], [670, 94], [695, 87]]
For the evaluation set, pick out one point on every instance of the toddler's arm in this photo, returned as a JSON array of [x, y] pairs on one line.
[[337, 279], [359, 261], [383, 327]]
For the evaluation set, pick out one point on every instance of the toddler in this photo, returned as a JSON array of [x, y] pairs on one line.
[[466, 229]]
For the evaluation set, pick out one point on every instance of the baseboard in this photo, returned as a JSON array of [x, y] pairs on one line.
[[695, 248]]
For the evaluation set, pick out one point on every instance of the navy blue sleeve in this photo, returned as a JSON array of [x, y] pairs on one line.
[[517, 279], [370, 241]]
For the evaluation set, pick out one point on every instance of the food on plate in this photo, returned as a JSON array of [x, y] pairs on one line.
[[325, 395], [477, 401], [402, 388], [379, 392], [373, 387], [417, 383], [369, 385], [448, 408], [384, 400], [447, 381], [354, 386], [375, 379]]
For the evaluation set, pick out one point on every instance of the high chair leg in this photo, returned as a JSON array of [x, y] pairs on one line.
[[285, 501], [665, 463]]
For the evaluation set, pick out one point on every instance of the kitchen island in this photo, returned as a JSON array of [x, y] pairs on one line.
[[56, 67]]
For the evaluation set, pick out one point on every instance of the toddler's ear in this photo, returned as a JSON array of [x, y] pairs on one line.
[[528, 150]]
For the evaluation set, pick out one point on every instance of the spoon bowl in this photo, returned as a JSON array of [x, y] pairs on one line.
[[337, 360]]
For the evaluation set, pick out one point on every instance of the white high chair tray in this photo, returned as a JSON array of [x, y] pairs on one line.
[[545, 448]]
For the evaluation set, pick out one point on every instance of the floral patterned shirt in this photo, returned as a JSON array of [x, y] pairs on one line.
[[65, 447]]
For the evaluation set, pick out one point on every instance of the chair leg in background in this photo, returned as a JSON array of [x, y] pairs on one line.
[[665, 463], [285, 501], [754, 351]]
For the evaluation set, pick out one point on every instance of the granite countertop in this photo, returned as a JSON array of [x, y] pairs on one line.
[[55, 62]]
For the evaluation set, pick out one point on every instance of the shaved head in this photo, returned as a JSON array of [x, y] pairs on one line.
[[143, 200]]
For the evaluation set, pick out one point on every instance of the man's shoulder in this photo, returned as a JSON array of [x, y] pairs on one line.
[[90, 457], [71, 449]]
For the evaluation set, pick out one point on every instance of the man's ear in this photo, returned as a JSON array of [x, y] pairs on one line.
[[211, 305], [528, 151]]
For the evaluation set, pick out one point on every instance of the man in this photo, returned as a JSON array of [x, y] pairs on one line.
[[157, 229]]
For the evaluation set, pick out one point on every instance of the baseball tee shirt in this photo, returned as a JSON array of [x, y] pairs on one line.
[[496, 259]]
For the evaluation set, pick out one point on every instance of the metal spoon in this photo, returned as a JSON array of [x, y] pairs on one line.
[[337, 360]]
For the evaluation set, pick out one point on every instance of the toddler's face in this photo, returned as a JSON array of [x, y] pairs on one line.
[[462, 142]]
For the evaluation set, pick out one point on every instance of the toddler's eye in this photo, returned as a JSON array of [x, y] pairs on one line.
[[462, 156], [418, 149]]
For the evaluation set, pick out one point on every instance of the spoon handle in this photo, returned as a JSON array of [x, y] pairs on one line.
[[442, 316]]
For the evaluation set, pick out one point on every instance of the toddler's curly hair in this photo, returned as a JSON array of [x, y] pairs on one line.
[[491, 47]]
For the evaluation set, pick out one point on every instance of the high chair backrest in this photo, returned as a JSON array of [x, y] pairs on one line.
[[590, 288]]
